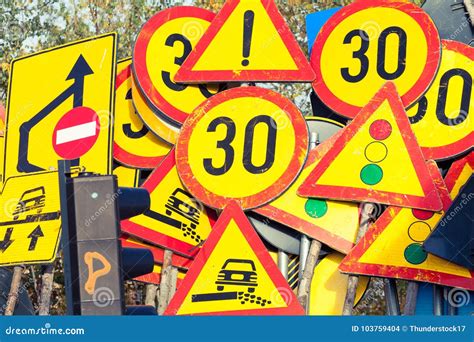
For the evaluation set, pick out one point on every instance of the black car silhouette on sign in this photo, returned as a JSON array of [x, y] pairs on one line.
[[239, 272]]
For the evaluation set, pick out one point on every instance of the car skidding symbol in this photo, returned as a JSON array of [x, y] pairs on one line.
[[232, 274]]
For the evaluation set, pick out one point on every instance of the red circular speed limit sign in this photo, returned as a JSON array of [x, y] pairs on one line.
[[369, 43], [246, 144], [162, 46], [442, 119]]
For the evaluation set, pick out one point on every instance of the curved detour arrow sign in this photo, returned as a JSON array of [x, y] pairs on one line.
[[76, 78]]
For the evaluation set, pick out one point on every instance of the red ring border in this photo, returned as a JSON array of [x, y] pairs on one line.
[[157, 102], [120, 154], [459, 147], [252, 201]]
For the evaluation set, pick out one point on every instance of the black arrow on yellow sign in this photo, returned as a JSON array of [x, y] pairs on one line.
[[78, 72], [34, 236], [7, 241]]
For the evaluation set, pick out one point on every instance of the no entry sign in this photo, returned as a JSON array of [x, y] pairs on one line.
[[76, 132]]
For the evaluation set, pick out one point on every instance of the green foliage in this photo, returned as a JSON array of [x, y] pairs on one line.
[[32, 25]]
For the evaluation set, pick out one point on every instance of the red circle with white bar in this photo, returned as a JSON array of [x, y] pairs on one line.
[[76, 132]]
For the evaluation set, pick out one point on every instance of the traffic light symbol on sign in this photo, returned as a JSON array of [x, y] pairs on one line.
[[418, 231], [375, 152], [393, 246], [377, 142]]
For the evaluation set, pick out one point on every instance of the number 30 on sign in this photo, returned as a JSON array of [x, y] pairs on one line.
[[246, 144], [369, 43]]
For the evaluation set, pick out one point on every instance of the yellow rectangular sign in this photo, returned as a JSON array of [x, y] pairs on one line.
[[30, 223], [60, 105]]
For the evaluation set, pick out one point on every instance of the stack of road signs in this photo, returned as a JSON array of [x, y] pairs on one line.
[[331, 222], [134, 144], [176, 123], [70, 118], [238, 174], [393, 247], [162, 46], [440, 129]]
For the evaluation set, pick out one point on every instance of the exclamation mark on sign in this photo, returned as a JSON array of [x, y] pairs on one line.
[[248, 28]]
